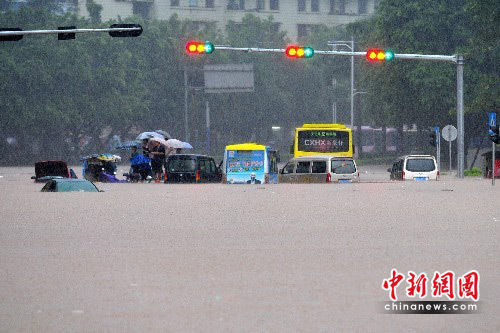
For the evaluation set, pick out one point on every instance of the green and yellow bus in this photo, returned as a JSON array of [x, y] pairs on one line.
[[323, 140]]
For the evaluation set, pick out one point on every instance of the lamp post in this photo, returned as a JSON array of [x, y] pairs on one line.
[[350, 45]]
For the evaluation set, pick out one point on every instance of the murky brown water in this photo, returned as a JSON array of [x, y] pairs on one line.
[[155, 257]]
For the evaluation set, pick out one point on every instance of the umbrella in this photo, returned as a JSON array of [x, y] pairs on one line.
[[161, 141], [174, 143], [165, 134], [128, 144], [149, 135]]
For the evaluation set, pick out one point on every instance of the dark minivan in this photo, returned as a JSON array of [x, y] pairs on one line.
[[191, 168]]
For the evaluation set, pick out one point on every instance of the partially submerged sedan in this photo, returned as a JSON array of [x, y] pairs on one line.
[[69, 185]]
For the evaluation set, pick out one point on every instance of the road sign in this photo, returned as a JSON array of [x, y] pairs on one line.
[[449, 133], [492, 122]]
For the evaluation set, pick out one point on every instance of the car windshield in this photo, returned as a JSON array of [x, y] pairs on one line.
[[182, 164], [76, 187], [343, 166], [420, 165]]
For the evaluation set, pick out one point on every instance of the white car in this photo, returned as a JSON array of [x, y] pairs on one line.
[[414, 167]]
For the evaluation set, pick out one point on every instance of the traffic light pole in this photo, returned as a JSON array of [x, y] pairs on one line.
[[67, 31], [457, 59]]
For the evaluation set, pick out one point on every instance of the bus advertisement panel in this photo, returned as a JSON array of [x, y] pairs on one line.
[[245, 166], [323, 140]]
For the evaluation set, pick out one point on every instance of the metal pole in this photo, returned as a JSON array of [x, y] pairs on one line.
[[439, 149], [207, 108], [493, 165], [460, 116], [352, 84], [186, 128], [334, 112], [449, 147]]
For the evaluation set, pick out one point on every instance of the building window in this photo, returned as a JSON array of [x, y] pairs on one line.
[[314, 5], [209, 3], [304, 30], [362, 6], [142, 9], [341, 7], [301, 30], [260, 5], [174, 3], [236, 4], [193, 3], [302, 5], [332, 7], [274, 5]]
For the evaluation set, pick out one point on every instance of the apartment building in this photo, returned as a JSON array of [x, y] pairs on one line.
[[296, 17]]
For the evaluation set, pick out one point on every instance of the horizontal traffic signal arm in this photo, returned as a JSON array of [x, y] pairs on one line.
[[452, 58], [116, 30]]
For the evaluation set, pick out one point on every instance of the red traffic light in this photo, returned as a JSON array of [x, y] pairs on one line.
[[199, 47], [299, 52], [378, 55]]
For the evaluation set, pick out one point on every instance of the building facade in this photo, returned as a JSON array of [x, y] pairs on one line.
[[296, 17]]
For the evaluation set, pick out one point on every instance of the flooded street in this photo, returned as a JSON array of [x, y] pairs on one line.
[[213, 257]]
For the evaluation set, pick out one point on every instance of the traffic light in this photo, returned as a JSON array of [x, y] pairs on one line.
[[66, 35], [10, 38], [494, 133], [299, 52], [199, 47], [130, 33], [378, 55], [432, 138]]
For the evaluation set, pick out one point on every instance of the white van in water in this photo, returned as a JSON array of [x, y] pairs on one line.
[[319, 169], [414, 167]]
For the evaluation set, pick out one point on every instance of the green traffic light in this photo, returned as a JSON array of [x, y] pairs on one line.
[[389, 55], [209, 47], [308, 52]]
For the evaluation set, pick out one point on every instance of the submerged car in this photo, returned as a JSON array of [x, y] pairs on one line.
[[191, 168], [414, 167], [319, 169], [69, 185], [47, 170]]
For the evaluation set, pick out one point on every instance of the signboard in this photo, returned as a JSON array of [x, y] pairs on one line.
[[323, 141], [449, 133], [245, 166], [228, 78], [492, 123]]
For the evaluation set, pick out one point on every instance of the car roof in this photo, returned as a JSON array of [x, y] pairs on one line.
[[321, 158], [73, 180], [424, 156], [192, 155]]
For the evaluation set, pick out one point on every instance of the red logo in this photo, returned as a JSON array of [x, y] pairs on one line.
[[417, 285], [468, 285], [393, 283], [442, 284]]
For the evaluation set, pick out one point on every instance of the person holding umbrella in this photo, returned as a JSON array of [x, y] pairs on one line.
[[157, 160]]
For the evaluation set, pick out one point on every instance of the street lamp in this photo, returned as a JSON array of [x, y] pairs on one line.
[[350, 45]]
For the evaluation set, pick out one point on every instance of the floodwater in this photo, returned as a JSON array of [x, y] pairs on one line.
[[213, 257]]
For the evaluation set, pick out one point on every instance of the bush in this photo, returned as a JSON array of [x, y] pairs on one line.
[[474, 172]]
